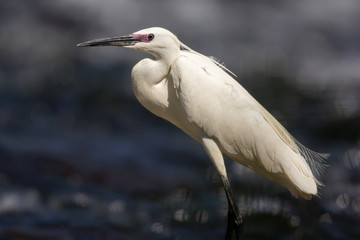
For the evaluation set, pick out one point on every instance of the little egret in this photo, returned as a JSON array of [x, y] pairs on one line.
[[197, 94]]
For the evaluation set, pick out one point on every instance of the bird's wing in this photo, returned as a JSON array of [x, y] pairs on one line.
[[222, 109], [215, 102]]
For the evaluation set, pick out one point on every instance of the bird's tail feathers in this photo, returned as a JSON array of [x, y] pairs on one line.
[[315, 160], [300, 183]]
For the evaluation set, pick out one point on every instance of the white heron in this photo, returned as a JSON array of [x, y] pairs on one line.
[[197, 94]]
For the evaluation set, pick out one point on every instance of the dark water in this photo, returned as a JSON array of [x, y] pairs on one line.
[[107, 169], [152, 182], [81, 159]]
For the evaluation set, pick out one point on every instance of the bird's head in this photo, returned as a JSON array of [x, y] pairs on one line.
[[155, 41]]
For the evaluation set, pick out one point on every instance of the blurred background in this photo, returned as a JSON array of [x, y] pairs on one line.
[[80, 158]]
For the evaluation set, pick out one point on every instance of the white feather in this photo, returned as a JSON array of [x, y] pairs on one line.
[[196, 94]]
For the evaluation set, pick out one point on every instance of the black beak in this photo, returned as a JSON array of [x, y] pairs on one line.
[[114, 41]]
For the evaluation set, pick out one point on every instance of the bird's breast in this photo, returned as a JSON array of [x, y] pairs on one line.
[[150, 90], [155, 88]]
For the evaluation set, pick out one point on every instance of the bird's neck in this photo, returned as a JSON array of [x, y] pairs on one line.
[[166, 57], [158, 70], [149, 81]]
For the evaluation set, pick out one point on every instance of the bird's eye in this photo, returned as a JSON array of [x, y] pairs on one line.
[[151, 37]]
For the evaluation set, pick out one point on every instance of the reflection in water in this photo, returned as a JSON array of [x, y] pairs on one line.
[[325, 218], [352, 158], [343, 200], [346, 105], [20, 201], [202, 216], [181, 215], [260, 205], [81, 199], [157, 227], [117, 206], [295, 221]]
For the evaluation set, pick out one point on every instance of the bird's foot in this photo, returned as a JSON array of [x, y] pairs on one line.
[[235, 224]]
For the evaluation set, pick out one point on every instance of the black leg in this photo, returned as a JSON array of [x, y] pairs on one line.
[[235, 221], [230, 225]]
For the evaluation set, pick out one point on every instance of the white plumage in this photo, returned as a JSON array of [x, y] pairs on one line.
[[194, 93], [198, 95]]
